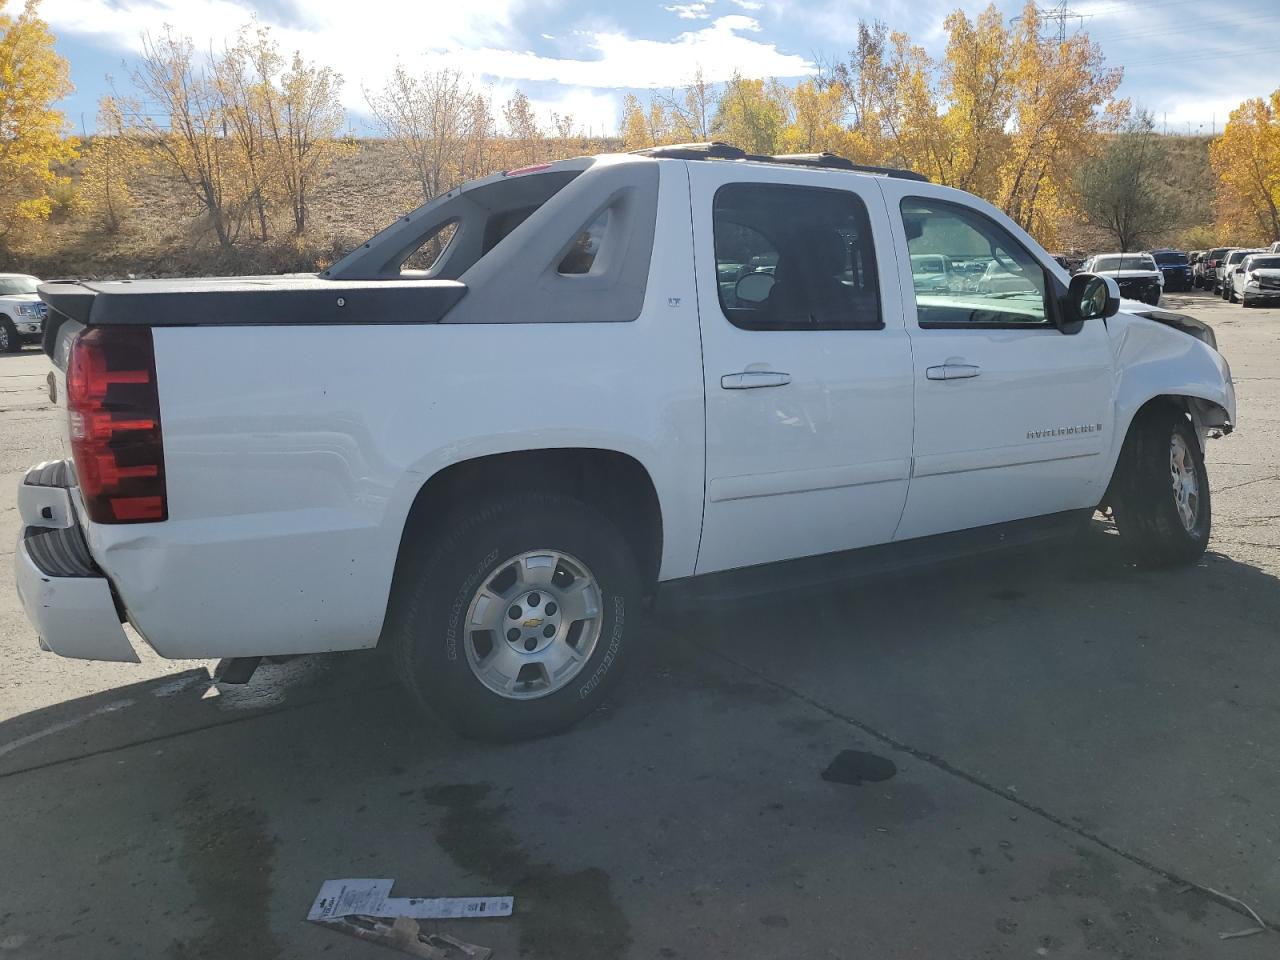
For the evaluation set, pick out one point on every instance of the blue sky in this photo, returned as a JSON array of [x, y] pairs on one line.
[[1188, 61]]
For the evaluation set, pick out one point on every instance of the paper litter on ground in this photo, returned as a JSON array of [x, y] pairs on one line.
[[372, 898]]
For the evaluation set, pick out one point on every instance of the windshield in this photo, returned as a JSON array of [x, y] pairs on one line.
[[12, 286], [1136, 262], [1217, 252], [1235, 256], [1264, 263], [1171, 257]]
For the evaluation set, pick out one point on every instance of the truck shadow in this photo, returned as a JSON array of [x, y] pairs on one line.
[[234, 812], [995, 605]]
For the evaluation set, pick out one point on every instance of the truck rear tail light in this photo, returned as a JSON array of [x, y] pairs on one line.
[[113, 406]]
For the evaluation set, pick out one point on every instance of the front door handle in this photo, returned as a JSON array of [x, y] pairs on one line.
[[952, 371], [753, 379]]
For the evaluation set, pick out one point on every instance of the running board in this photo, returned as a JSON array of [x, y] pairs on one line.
[[878, 560]]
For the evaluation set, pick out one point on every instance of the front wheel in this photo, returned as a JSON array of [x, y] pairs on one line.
[[1161, 498], [10, 341], [515, 623]]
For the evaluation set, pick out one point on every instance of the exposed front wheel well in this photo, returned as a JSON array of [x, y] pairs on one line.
[[1205, 415], [614, 483]]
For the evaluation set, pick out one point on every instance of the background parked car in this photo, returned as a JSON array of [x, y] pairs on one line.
[[1135, 273], [1213, 260], [931, 272], [21, 312], [1219, 270], [1260, 279], [1176, 268], [1233, 273]]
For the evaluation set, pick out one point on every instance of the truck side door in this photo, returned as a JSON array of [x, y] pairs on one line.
[[806, 361], [1013, 414]]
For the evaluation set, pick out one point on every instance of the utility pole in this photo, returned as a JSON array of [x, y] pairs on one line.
[[1060, 13]]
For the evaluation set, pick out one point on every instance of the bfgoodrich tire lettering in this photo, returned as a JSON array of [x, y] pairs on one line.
[[433, 616], [1161, 498]]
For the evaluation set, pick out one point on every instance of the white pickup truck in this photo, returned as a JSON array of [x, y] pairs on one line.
[[21, 312], [688, 368]]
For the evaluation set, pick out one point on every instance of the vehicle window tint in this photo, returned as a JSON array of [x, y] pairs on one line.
[[977, 273], [795, 258], [585, 246]]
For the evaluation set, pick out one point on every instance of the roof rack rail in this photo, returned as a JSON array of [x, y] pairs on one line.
[[836, 162], [716, 150]]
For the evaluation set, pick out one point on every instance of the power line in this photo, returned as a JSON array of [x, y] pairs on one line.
[[1061, 14]]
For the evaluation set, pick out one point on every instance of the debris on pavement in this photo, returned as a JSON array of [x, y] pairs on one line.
[[365, 908], [1236, 934], [406, 935], [372, 898]]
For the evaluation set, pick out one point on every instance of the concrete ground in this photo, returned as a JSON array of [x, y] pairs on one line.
[[1081, 749]]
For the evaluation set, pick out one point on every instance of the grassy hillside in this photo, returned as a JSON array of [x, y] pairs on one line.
[[361, 193]]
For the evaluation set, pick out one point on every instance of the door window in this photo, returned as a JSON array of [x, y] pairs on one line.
[[795, 258], [968, 271]]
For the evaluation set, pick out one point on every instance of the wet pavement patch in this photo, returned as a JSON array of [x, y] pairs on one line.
[[854, 767], [227, 855], [562, 914]]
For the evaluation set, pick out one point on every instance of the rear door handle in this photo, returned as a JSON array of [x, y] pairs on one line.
[[952, 371], [753, 379]]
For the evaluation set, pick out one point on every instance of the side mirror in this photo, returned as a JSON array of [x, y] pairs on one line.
[[754, 288], [1090, 297]]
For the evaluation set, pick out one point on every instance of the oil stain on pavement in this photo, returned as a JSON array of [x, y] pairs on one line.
[[227, 854], [561, 914], [855, 767]]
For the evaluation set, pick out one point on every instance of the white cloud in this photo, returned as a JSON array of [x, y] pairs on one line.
[[750, 4], [690, 11], [614, 59], [480, 38]]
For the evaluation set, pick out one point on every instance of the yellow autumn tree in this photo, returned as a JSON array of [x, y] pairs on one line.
[[1059, 94], [186, 126], [816, 120], [635, 129], [977, 85], [115, 156], [1246, 159], [303, 119], [751, 114], [33, 141]]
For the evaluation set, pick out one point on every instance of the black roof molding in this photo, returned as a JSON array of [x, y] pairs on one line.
[[716, 150]]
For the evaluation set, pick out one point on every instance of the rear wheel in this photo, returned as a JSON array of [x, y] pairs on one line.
[[514, 623], [10, 340], [1161, 498]]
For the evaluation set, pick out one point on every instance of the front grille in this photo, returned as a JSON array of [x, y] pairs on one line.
[[1135, 286]]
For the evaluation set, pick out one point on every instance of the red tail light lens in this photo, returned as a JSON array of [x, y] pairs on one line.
[[114, 409]]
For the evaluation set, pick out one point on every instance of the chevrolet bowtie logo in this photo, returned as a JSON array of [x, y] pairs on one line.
[[532, 622]]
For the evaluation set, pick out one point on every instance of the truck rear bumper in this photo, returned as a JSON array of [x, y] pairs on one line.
[[66, 597]]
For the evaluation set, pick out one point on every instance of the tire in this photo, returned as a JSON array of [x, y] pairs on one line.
[[1161, 463], [434, 602], [10, 339]]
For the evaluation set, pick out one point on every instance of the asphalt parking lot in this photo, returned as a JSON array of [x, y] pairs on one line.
[[1080, 751]]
